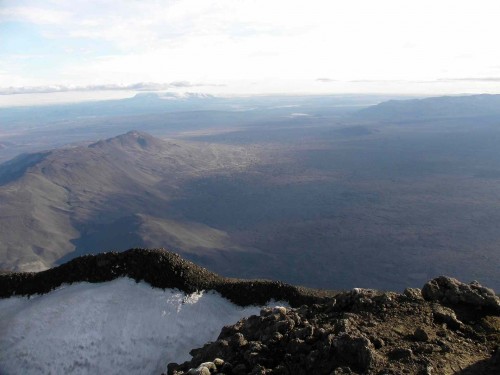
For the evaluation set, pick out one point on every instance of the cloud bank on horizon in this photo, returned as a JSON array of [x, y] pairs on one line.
[[250, 46], [139, 86]]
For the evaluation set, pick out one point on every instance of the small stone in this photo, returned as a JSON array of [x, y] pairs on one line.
[[356, 351], [238, 340], [421, 335], [414, 294], [446, 315], [280, 310], [202, 370], [424, 349], [377, 342], [209, 365], [218, 362], [227, 368], [400, 353], [285, 326], [277, 336]]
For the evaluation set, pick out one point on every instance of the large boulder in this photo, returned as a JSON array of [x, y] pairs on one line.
[[451, 291]]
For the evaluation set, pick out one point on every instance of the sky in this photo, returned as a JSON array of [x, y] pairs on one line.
[[111, 48]]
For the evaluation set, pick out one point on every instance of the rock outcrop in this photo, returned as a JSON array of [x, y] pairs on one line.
[[451, 291], [161, 269], [362, 332]]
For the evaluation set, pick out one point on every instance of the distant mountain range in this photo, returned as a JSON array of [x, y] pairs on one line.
[[433, 108], [36, 128]]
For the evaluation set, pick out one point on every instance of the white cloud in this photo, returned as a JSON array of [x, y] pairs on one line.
[[34, 15], [472, 79], [269, 41], [140, 86]]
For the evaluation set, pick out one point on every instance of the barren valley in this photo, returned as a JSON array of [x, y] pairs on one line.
[[330, 199]]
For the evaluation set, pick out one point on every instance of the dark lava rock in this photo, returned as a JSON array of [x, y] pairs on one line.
[[413, 294], [401, 353], [357, 352], [442, 314], [451, 291], [421, 335], [159, 268], [359, 332]]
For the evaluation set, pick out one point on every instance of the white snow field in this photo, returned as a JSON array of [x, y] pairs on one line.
[[116, 327]]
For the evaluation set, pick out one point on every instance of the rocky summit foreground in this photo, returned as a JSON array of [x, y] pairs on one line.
[[160, 269], [446, 328]]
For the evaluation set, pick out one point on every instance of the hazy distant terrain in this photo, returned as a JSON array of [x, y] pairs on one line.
[[334, 197], [29, 129], [434, 108]]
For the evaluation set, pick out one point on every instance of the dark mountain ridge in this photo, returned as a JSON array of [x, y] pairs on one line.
[[159, 268], [15, 168], [56, 202], [133, 140]]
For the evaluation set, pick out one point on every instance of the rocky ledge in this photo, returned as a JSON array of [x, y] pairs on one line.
[[446, 327], [161, 269]]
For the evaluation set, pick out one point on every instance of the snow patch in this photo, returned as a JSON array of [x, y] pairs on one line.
[[117, 327]]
